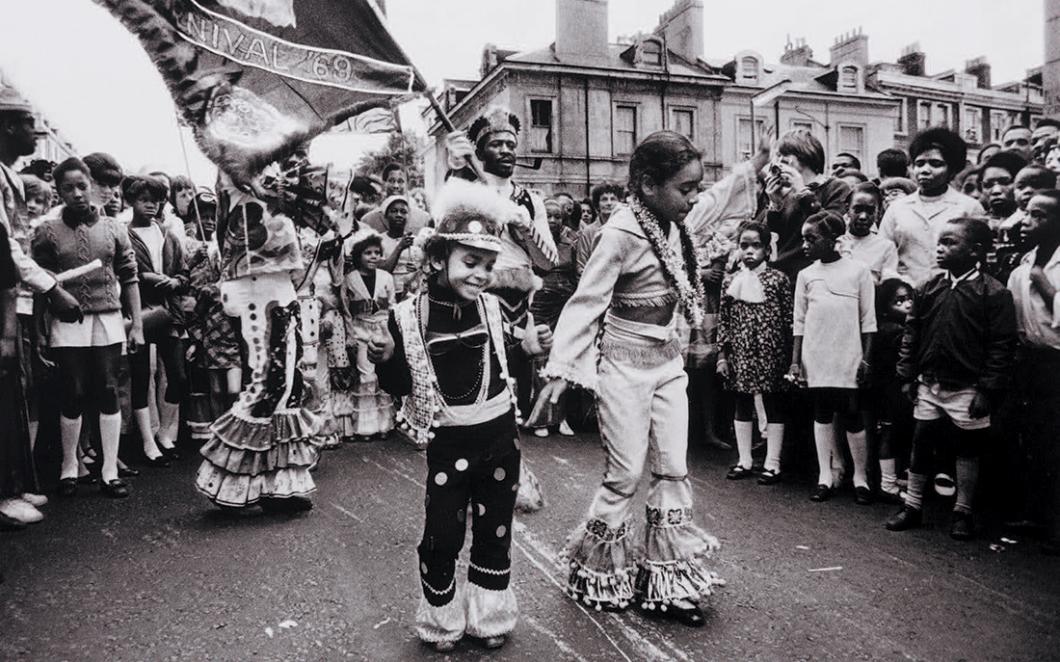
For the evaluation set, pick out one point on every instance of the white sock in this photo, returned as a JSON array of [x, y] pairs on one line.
[[143, 422], [774, 443], [824, 441], [889, 476], [744, 437], [109, 438], [760, 409], [70, 434], [168, 423], [859, 451]]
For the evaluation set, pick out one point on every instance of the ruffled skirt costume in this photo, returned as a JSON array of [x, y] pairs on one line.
[[265, 444]]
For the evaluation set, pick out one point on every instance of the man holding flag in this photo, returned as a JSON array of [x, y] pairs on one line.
[[256, 79]]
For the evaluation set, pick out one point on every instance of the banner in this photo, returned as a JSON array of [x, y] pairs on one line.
[[257, 78]]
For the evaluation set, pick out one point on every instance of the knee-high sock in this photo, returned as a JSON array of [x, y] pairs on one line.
[[109, 438], [914, 495], [888, 475], [168, 423], [143, 423], [859, 451], [70, 435], [760, 409], [824, 440], [774, 444], [744, 438], [967, 479]]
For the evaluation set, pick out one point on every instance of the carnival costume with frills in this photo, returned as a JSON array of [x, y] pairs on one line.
[[450, 366], [636, 370], [263, 446]]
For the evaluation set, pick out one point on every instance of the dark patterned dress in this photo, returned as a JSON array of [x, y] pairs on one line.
[[756, 337], [211, 329]]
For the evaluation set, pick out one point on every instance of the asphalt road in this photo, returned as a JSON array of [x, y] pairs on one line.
[[164, 576]]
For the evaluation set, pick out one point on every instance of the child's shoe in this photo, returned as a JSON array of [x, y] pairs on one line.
[[443, 646], [565, 430], [963, 526], [906, 518]]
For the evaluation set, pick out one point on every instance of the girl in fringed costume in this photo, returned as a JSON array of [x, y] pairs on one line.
[[618, 337], [262, 448], [367, 295], [446, 356]]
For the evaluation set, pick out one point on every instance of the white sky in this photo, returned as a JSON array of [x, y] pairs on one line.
[[92, 80]]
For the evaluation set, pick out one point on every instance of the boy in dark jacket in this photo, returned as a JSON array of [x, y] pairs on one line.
[[955, 362]]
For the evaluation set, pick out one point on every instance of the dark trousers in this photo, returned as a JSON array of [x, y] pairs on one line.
[[88, 374], [170, 352], [475, 465]]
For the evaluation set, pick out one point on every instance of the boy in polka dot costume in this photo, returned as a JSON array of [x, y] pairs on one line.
[[445, 355]]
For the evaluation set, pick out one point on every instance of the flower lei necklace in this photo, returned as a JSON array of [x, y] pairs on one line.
[[683, 274]]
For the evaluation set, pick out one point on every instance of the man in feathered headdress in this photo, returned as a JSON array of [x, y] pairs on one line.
[[490, 144]]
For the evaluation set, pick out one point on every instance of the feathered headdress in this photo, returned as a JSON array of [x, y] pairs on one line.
[[496, 119], [470, 214]]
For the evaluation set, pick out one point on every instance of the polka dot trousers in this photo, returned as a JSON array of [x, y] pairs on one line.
[[472, 472]]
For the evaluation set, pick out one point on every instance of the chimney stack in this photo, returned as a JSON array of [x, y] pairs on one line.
[[852, 46], [979, 68], [682, 29], [581, 30], [797, 54], [913, 60]]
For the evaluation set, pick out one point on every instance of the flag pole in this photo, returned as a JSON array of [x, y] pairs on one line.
[[443, 116]]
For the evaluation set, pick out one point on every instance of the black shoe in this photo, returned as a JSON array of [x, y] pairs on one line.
[[906, 518], [738, 472], [862, 496], [962, 526], [114, 489], [171, 454], [770, 477], [67, 487], [128, 472], [822, 493], [892, 497], [690, 616]]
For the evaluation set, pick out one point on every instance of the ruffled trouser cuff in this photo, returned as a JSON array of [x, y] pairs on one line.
[[490, 613], [602, 564], [673, 567], [441, 623], [479, 612]]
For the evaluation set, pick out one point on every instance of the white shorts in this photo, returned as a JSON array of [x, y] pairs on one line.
[[96, 330], [934, 401]]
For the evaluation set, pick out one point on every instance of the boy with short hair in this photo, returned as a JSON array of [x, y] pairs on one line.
[[1011, 242], [1034, 285], [956, 360]]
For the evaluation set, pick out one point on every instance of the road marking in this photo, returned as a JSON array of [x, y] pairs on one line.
[[646, 647], [346, 512], [560, 644]]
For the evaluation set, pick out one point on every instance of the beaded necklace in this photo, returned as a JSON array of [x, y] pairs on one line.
[[683, 274]]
